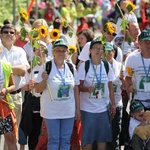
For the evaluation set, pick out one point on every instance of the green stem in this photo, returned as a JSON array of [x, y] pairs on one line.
[[119, 9], [48, 86], [75, 37]]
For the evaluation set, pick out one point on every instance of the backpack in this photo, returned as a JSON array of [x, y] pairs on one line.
[[87, 65], [49, 67]]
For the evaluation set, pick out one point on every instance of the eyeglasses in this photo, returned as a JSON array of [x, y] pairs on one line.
[[7, 32], [97, 49]]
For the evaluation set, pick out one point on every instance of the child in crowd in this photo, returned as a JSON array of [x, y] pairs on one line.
[[138, 118]]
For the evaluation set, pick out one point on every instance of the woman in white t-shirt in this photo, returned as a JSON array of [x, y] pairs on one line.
[[96, 95], [59, 108]]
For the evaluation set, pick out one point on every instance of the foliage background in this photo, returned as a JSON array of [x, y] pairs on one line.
[[6, 8]]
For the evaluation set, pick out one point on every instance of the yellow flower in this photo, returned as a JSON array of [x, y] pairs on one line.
[[55, 34], [23, 15], [110, 28], [72, 50], [130, 6], [34, 34], [64, 23], [43, 31], [129, 70]]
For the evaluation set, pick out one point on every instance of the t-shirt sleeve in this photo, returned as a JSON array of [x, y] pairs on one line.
[[81, 71], [39, 77]]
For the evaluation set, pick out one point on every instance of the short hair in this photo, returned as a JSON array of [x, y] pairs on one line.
[[8, 26], [89, 34], [57, 23], [7, 21]]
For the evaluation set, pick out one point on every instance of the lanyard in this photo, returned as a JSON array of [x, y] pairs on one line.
[[62, 76], [146, 72], [94, 69]]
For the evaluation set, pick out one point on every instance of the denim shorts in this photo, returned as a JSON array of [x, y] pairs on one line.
[[95, 127]]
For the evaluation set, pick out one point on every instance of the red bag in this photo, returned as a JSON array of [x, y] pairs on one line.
[[76, 136]]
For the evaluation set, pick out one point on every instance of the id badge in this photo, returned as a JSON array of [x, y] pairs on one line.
[[98, 94], [64, 91], [146, 86]]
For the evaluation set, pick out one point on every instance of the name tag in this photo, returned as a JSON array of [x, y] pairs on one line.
[[146, 86]]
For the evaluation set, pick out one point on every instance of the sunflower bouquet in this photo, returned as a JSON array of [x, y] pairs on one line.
[[72, 50], [54, 34], [130, 72], [23, 15]]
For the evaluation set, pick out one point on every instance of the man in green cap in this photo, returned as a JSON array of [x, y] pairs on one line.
[[116, 122], [137, 71]]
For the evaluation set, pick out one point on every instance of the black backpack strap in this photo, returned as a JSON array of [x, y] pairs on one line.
[[87, 65], [106, 66], [48, 67], [70, 67]]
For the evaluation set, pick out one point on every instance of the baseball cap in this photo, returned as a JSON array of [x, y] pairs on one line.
[[136, 106], [145, 35], [60, 42], [108, 46], [97, 40]]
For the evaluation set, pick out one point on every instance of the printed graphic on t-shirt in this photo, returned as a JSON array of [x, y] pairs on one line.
[[98, 91], [143, 80], [63, 92], [115, 88]]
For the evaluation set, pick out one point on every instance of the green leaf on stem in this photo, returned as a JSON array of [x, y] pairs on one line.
[[130, 39], [36, 44], [103, 39], [124, 24], [70, 34], [23, 33]]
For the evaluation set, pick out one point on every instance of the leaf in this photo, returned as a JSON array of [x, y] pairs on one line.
[[35, 61], [103, 39], [36, 44], [130, 39], [124, 24], [106, 53], [70, 34], [23, 33]]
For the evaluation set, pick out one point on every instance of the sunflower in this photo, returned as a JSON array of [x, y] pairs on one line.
[[129, 70], [72, 49], [130, 7], [34, 34], [110, 28], [43, 31], [64, 23], [55, 34], [23, 15]]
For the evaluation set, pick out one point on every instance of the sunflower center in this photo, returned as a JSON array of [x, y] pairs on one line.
[[55, 34], [43, 31]]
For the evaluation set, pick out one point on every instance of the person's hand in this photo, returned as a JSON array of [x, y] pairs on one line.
[[78, 115], [44, 75], [31, 84], [113, 110], [90, 89], [3, 92]]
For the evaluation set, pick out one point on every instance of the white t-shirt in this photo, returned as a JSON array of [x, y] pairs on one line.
[[116, 66], [132, 124], [139, 77], [63, 103], [84, 55], [15, 56], [92, 102]]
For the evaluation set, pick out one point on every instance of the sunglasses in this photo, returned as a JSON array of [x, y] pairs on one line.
[[7, 32]]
